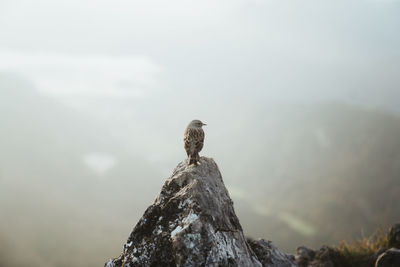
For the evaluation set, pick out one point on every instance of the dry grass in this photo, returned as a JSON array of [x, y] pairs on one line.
[[362, 252]]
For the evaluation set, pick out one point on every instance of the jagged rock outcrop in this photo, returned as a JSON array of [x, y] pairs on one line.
[[192, 223]]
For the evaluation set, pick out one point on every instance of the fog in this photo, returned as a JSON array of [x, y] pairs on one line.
[[301, 101]]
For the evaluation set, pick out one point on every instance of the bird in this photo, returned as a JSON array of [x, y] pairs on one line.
[[194, 141]]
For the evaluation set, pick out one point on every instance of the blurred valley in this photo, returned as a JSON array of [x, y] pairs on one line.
[[75, 183]]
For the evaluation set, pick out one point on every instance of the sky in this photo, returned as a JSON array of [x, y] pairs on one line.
[[281, 51]]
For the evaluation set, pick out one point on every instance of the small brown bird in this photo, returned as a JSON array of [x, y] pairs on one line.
[[194, 140]]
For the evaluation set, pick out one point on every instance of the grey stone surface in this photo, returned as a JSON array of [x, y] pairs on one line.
[[192, 223], [269, 255], [304, 255]]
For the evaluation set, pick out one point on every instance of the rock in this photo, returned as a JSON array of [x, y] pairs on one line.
[[192, 223], [325, 257], [391, 258], [394, 236], [304, 255], [378, 253], [269, 255]]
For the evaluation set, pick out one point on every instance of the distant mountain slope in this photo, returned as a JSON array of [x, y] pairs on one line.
[[329, 172]]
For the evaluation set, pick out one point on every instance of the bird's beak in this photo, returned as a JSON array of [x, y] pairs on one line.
[[204, 124]]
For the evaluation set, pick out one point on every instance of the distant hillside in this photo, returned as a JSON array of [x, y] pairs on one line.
[[330, 172]]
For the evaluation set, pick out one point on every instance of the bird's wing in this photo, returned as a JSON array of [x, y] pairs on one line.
[[199, 140]]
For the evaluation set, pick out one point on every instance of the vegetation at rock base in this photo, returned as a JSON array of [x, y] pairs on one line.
[[363, 252]]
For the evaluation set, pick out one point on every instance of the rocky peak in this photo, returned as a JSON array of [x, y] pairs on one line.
[[192, 223]]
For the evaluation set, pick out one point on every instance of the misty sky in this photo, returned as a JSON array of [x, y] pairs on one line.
[[279, 51]]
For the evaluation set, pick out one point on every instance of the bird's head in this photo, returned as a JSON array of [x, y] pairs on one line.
[[196, 124]]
